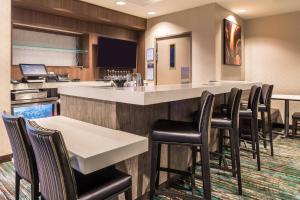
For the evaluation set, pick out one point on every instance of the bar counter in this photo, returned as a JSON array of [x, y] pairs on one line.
[[134, 110]]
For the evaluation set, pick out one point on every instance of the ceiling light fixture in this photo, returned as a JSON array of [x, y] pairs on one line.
[[242, 11], [151, 13], [121, 3]]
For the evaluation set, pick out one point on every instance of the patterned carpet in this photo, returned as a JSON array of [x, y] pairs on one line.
[[278, 179]]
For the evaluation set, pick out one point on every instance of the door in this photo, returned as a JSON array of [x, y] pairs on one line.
[[173, 63]]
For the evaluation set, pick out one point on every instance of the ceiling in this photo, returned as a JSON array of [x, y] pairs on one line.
[[254, 8]]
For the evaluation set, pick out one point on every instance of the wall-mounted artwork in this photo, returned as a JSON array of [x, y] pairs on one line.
[[232, 43]]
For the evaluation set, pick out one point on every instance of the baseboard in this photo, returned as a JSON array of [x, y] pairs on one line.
[[5, 158]]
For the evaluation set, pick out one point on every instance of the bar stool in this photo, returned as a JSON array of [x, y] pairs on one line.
[[183, 133], [265, 107], [230, 121], [296, 120], [249, 114]]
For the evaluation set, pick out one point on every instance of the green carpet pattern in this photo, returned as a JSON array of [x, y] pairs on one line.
[[278, 179]]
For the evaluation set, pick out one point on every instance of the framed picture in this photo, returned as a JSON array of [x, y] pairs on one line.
[[232, 43]]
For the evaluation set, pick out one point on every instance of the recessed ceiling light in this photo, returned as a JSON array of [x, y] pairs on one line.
[[242, 11], [121, 3], [151, 13]]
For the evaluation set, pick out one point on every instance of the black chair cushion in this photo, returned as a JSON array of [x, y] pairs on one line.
[[102, 184], [246, 113], [296, 116], [219, 122], [176, 132], [262, 108]]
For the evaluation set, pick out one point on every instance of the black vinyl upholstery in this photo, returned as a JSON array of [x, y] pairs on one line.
[[183, 132], [265, 98], [57, 180], [296, 116], [230, 119]]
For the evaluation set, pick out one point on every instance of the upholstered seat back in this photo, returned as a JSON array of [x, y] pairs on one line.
[[205, 113], [24, 160], [55, 173], [254, 98], [233, 104], [266, 95]]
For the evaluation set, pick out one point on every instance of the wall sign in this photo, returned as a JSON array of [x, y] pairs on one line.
[[150, 54], [150, 71]]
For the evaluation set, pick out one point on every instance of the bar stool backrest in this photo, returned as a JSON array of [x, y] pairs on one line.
[[254, 99], [205, 113], [233, 104], [57, 181], [24, 159], [266, 95]]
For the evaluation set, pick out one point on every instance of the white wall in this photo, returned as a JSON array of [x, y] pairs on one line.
[[5, 63], [206, 24], [273, 53]]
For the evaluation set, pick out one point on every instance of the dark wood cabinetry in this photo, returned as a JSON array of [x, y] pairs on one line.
[[83, 19]]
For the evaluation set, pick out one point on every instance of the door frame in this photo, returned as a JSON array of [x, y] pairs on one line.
[[172, 36]]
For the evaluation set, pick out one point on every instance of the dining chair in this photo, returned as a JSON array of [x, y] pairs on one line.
[[58, 181], [23, 156]]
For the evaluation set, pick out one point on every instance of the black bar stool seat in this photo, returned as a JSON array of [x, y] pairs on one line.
[[246, 113], [220, 122], [296, 116], [262, 108], [175, 132]]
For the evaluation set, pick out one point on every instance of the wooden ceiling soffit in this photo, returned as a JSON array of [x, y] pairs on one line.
[[83, 11]]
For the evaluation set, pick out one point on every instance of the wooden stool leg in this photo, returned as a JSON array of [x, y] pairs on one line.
[[193, 170], [255, 132], [270, 130], [238, 159], [158, 165], [128, 194], [294, 128], [35, 190], [263, 125], [253, 137], [205, 171], [221, 141], [232, 149], [153, 175], [17, 185]]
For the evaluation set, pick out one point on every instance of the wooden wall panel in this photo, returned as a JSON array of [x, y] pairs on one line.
[[83, 11], [91, 31]]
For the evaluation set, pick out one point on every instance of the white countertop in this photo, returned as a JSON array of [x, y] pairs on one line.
[[25, 86], [148, 95], [292, 97], [93, 147]]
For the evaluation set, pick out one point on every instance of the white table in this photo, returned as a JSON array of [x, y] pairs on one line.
[[286, 98], [93, 147]]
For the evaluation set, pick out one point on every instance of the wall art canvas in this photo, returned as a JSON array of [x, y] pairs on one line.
[[232, 43]]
